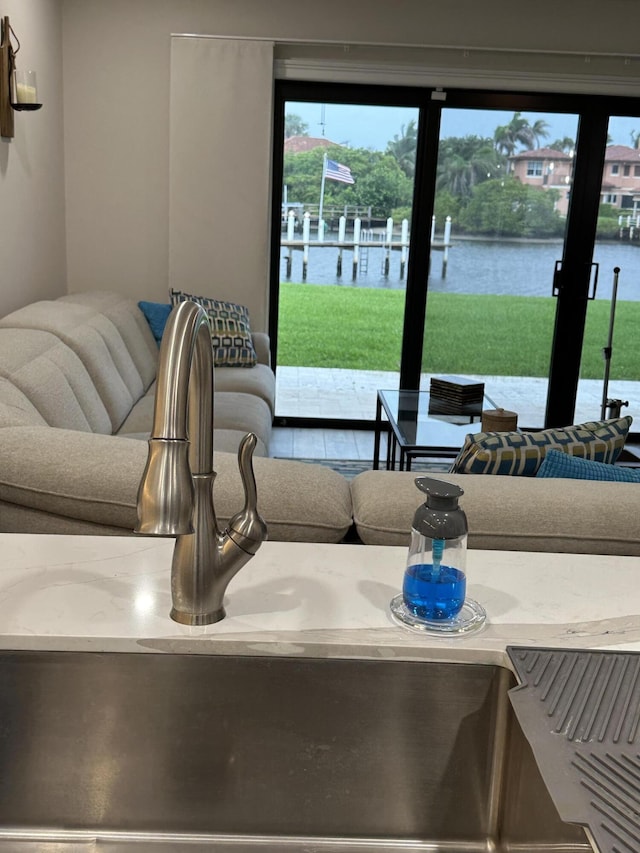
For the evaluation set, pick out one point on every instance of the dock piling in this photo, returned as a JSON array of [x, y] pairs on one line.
[[306, 230], [291, 225], [357, 226], [445, 251], [404, 238], [387, 255], [342, 231]]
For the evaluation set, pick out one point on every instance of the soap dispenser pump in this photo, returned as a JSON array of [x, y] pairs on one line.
[[434, 590], [435, 580]]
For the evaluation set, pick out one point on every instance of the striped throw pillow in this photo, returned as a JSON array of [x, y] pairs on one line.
[[521, 453], [230, 329]]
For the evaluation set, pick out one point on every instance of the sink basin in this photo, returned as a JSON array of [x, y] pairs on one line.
[[158, 753]]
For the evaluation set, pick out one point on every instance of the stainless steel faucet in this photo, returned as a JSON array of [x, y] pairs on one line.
[[175, 497]]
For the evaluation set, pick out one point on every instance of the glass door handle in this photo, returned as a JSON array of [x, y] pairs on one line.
[[593, 279], [557, 279]]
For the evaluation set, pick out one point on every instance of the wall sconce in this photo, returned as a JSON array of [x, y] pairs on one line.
[[17, 88]]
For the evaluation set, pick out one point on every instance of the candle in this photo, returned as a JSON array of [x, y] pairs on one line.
[[25, 87], [26, 94]]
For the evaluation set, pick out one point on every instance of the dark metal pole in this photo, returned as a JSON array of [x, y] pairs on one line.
[[606, 352]]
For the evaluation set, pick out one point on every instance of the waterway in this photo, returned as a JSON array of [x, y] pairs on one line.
[[475, 266]]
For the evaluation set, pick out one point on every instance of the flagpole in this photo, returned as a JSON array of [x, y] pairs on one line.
[[321, 205]]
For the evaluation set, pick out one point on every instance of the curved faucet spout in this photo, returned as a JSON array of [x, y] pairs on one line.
[[175, 497]]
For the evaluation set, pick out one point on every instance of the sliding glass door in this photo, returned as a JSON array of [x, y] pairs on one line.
[[502, 196], [457, 238], [610, 366], [347, 195]]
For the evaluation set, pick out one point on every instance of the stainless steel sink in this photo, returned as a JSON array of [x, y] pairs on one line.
[[158, 753]]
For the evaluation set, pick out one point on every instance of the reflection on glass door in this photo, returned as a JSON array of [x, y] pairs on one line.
[[347, 194], [610, 365], [500, 215]]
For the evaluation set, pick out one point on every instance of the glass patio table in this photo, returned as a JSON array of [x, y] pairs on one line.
[[412, 431]]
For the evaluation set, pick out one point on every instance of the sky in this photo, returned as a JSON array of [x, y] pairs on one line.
[[374, 127]]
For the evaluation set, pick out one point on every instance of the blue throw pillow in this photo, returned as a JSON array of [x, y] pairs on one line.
[[559, 464], [157, 315]]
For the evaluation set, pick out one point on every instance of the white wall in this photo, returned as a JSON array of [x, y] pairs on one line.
[[117, 87], [32, 226]]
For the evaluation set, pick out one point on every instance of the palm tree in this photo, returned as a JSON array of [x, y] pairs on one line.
[[403, 148], [466, 161], [566, 144], [519, 131], [539, 131]]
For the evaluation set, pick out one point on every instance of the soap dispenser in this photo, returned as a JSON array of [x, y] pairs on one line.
[[434, 589]]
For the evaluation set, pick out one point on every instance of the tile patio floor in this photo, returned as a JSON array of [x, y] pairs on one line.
[[318, 392]]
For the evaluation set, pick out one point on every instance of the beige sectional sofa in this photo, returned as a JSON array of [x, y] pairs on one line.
[[76, 399], [77, 383]]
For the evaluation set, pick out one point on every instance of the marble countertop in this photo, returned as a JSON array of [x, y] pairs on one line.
[[113, 594]]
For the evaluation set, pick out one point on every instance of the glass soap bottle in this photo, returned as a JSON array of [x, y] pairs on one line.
[[434, 589]]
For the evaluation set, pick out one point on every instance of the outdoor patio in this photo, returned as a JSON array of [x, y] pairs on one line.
[[311, 392], [308, 392]]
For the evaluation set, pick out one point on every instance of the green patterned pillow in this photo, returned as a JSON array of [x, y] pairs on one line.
[[230, 330], [521, 453]]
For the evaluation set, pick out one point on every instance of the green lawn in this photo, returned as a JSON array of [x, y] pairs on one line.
[[361, 328]]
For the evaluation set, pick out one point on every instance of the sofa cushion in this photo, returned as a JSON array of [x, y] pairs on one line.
[[58, 476], [231, 411], [521, 453], [229, 440], [506, 513], [234, 416], [300, 502], [53, 378], [230, 329], [140, 418], [244, 413], [259, 381], [97, 342], [131, 324], [557, 464], [59, 472]]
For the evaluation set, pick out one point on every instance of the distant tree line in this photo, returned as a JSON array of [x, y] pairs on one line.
[[473, 185]]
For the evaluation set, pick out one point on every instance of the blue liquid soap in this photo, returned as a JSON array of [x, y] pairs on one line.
[[434, 592]]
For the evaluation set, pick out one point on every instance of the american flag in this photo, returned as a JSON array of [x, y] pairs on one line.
[[337, 172]]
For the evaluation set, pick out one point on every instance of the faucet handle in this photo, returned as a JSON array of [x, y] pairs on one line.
[[247, 528]]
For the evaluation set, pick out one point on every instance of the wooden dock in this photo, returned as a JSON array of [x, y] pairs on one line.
[[362, 241], [351, 244]]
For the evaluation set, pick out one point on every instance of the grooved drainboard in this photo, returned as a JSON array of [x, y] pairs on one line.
[[580, 712]]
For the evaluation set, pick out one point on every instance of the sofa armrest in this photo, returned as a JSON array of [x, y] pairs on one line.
[[262, 347]]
